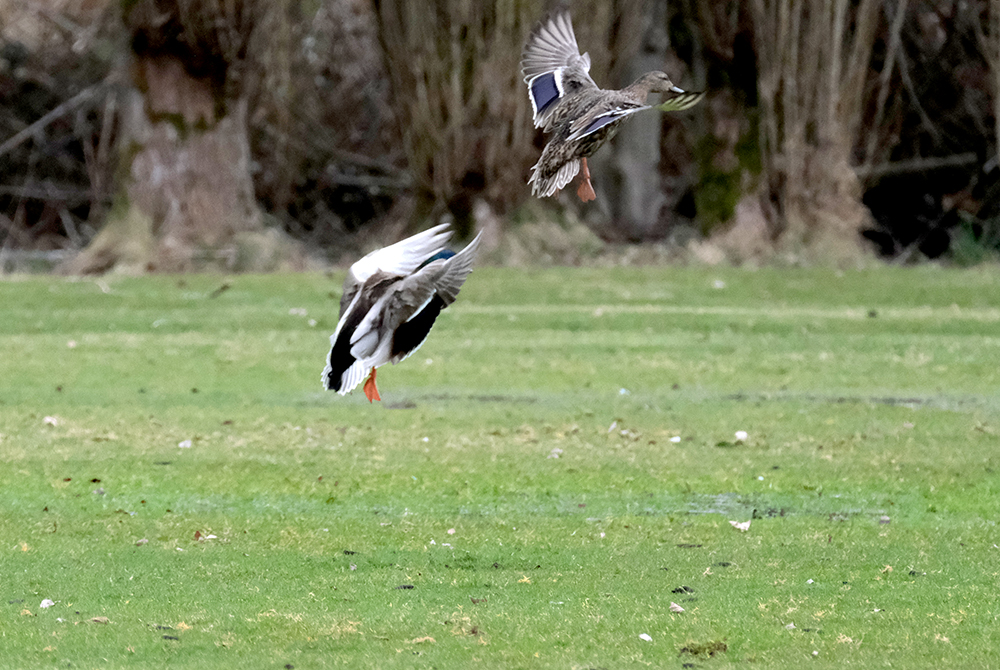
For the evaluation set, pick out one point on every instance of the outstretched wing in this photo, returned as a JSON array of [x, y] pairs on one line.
[[400, 258], [551, 46], [456, 271], [591, 123], [597, 119], [553, 67], [372, 340], [411, 334], [407, 297]]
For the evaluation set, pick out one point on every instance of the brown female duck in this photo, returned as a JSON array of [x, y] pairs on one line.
[[581, 117]]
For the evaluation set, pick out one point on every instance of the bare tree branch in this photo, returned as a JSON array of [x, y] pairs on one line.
[[80, 98], [915, 165], [895, 39]]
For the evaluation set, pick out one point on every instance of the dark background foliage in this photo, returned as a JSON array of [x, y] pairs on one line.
[[366, 118]]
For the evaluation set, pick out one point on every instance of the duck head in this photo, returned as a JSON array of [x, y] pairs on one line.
[[653, 82]]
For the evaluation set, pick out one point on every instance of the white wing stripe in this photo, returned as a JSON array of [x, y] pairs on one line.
[[617, 113], [421, 308], [403, 257], [558, 75]]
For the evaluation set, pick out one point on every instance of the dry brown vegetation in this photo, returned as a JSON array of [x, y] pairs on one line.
[[813, 60], [453, 67]]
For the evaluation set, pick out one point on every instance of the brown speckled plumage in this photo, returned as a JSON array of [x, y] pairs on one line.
[[580, 115]]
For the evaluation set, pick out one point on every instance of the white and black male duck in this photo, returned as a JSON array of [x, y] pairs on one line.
[[391, 299], [580, 116]]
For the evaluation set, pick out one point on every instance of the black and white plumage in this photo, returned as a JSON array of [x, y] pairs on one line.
[[581, 116], [390, 301]]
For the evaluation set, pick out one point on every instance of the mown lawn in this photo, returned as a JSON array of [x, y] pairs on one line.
[[554, 468]]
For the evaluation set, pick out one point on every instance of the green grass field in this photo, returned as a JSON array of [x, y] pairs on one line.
[[552, 470]]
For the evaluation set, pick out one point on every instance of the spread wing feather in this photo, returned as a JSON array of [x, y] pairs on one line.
[[553, 67], [592, 123], [683, 101], [552, 46], [403, 257], [456, 271]]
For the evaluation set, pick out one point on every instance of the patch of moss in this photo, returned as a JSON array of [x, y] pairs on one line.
[[707, 649], [718, 191]]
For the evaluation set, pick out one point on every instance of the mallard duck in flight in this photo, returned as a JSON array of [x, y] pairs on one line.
[[581, 117], [391, 298]]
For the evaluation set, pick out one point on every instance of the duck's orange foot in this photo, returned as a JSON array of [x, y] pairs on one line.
[[586, 191], [371, 391]]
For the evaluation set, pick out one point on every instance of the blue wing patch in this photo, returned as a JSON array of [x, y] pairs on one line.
[[544, 91], [442, 255]]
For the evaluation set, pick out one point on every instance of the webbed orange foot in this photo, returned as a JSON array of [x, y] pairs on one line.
[[371, 391], [586, 191]]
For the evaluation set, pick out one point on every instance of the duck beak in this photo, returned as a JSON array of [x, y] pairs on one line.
[[676, 89]]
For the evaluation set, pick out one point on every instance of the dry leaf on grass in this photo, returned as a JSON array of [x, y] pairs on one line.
[[742, 527], [421, 640]]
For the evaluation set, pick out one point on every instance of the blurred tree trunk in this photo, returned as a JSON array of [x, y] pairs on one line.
[[634, 194], [727, 152], [992, 50], [647, 169], [813, 59], [185, 197]]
